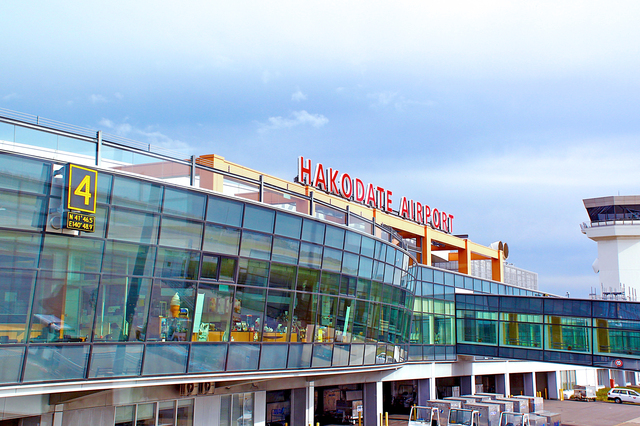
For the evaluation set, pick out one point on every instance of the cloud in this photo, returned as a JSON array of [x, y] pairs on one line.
[[298, 96], [296, 118], [10, 96], [98, 99], [118, 95], [149, 135], [393, 99]]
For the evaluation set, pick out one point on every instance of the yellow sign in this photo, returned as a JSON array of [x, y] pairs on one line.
[[82, 183], [80, 222]]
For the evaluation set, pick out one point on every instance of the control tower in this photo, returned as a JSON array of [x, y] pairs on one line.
[[615, 226]]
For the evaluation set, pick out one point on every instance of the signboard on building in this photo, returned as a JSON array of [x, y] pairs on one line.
[[80, 203]]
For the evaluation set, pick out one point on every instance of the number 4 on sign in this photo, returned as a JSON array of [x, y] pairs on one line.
[[84, 189]]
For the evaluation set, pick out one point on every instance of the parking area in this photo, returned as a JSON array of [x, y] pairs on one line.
[[576, 413]]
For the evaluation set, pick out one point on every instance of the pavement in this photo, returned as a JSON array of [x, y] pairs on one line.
[[577, 413]]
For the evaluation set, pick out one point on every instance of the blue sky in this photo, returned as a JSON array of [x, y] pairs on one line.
[[505, 114]]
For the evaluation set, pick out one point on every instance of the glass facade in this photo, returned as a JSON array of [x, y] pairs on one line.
[[177, 280]]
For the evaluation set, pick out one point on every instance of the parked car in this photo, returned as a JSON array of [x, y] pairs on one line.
[[620, 395]]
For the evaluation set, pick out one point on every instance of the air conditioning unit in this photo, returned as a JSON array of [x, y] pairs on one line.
[[188, 389], [206, 388]]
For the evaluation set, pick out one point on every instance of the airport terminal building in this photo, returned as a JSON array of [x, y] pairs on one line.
[[144, 288]]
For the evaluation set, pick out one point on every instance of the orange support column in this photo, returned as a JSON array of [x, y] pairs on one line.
[[497, 267], [426, 247], [464, 259]]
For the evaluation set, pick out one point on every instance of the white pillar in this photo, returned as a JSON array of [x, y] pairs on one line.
[[310, 407], [260, 408]]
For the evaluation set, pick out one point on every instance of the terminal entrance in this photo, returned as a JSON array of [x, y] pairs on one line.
[[338, 405], [398, 397]]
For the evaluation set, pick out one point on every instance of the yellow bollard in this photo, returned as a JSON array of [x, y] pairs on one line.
[[561, 395], [386, 419], [359, 418], [380, 419]]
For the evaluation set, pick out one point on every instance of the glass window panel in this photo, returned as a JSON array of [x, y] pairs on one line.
[[73, 254], [209, 268], [308, 280], [299, 356], [350, 264], [378, 271], [282, 276], [332, 260], [356, 356], [330, 283], [326, 324], [340, 355], [352, 242], [247, 321], [165, 359], [7, 132], [376, 291], [105, 181], [348, 286], [370, 354], [313, 231], [243, 357], [146, 415], [122, 309], [24, 175], [366, 265], [133, 226], [288, 225], [166, 413], [182, 203], [258, 219], [171, 310], [285, 250], [304, 317], [125, 415], [224, 211], [322, 355], [129, 259], [221, 239], [344, 320], [227, 269], [391, 254], [310, 255], [360, 321], [380, 252], [213, 313], [364, 288], [184, 415], [63, 307], [136, 194], [388, 274], [207, 357], [367, 247], [172, 263], [55, 363], [274, 357], [16, 289], [11, 360], [254, 245], [19, 249], [277, 319], [181, 233], [116, 360], [334, 237], [21, 211], [253, 272], [34, 137]]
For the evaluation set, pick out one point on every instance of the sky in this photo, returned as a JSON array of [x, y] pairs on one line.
[[506, 114]]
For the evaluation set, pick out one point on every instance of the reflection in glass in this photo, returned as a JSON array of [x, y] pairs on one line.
[[72, 254], [19, 249], [11, 361], [128, 259], [207, 357], [310, 255], [282, 276], [182, 203], [166, 413], [21, 211], [299, 356], [122, 309], [165, 359], [285, 250], [133, 226], [24, 175], [322, 355], [258, 219], [64, 307], [253, 272], [181, 233], [254, 245], [224, 211], [221, 239], [173, 263], [288, 225], [313, 231], [274, 357], [243, 357], [115, 360], [54, 363], [125, 415], [146, 414], [184, 415], [212, 313], [136, 194], [16, 289], [332, 260], [327, 311]]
